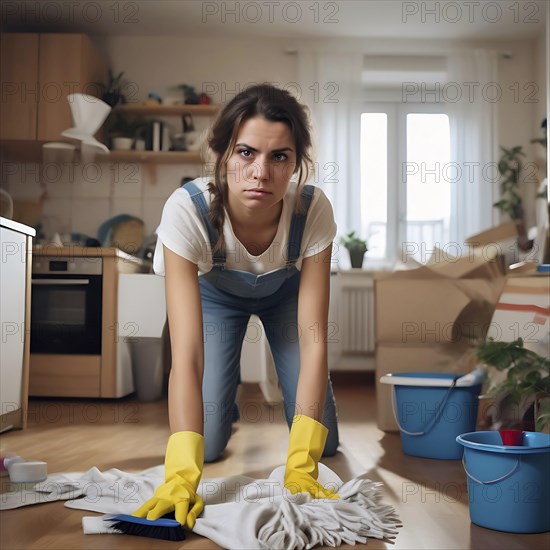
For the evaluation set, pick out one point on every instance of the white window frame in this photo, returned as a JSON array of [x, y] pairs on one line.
[[396, 215]]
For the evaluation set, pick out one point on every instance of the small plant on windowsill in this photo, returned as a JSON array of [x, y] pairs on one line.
[[527, 377], [356, 248]]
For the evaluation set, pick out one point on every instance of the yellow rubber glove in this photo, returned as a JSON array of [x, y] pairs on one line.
[[182, 472], [305, 447]]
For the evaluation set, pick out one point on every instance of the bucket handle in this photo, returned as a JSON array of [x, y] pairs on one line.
[[432, 422], [501, 478]]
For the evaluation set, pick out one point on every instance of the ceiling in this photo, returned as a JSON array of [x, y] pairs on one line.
[[444, 19]]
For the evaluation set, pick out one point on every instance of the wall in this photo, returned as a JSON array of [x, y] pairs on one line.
[[542, 62], [83, 197]]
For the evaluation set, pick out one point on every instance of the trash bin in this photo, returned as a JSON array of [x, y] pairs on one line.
[[142, 319], [147, 368]]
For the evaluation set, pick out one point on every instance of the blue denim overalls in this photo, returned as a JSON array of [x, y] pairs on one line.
[[228, 299]]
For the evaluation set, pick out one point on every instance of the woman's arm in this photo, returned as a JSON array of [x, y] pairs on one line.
[[307, 434], [183, 304], [313, 302], [184, 459]]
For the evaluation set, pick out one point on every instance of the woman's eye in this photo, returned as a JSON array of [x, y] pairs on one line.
[[280, 156], [245, 153]]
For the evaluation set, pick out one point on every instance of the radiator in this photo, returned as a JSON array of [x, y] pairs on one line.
[[357, 315], [351, 341]]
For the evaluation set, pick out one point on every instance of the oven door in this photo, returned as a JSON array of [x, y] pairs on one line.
[[66, 314]]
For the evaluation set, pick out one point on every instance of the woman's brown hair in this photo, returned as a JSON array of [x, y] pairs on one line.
[[271, 103]]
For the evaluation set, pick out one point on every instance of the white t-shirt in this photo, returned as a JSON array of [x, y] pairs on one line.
[[183, 231]]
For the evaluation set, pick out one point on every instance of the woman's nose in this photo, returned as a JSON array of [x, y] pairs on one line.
[[260, 168]]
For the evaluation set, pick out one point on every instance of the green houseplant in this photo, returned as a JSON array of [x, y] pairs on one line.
[[112, 91], [510, 166], [123, 130], [356, 248], [527, 376]]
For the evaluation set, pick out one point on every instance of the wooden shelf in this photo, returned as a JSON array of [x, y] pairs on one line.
[[152, 158], [166, 110], [31, 151], [162, 157]]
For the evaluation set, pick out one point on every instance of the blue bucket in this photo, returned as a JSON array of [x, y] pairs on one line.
[[508, 486], [432, 409]]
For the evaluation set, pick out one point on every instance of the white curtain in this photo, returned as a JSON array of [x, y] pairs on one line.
[[330, 84], [474, 140]]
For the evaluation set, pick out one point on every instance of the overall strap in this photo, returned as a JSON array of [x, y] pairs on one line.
[[297, 226], [198, 199]]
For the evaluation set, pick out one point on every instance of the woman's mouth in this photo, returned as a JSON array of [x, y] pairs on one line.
[[257, 192]]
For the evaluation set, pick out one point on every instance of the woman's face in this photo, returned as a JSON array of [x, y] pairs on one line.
[[261, 165]]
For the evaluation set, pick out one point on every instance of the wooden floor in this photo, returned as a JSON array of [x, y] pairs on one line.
[[74, 435]]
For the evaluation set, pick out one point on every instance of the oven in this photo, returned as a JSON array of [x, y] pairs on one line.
[[66, 306]]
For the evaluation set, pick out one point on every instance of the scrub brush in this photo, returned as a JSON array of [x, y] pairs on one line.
[[164, 528]]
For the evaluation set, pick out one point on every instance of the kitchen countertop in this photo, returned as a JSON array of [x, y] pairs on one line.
[[16, 226], [53, 250]]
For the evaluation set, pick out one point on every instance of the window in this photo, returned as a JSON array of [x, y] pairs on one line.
[[374, 182], [405, 188]]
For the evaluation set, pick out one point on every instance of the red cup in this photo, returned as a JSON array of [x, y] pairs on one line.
[[511, 437]]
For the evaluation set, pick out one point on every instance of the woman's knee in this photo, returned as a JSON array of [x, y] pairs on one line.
[[332, 442], [214, 447]]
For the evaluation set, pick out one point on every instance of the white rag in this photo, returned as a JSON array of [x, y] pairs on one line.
[[240, 512]]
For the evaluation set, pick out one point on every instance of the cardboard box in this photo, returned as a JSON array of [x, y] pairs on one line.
[[503, 238], [501, 233], [427, 317], [523, 310]]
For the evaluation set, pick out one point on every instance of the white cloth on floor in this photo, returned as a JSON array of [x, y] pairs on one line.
[[108, 492], [240, 512]]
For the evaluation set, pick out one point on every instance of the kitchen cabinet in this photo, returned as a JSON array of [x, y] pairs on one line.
[[39, 70], [19, 80], [16, 246]]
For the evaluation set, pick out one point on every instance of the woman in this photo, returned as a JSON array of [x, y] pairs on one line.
[[246, 241]]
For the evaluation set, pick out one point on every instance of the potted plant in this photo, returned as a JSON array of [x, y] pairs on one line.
[[122, 131], [112, 91], [542, 140], [509, 167], [190, 96], [527, 379], [356, 248]]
